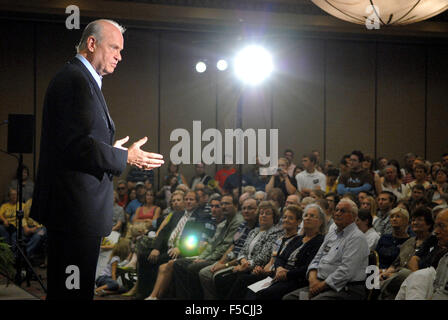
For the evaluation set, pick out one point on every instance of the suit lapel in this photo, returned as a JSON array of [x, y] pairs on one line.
[[98, 92]]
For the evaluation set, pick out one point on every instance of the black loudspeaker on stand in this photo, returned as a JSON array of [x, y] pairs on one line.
[[20, 140]]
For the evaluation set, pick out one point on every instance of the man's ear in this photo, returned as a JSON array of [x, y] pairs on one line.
[[91, 44]]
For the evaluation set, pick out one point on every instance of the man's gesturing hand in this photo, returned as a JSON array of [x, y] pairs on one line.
[[139, 158]]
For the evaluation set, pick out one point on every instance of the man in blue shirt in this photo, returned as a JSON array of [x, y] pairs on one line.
[[338, 271], [132, 207], [357, 179]]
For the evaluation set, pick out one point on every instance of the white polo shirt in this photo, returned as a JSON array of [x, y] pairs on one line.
[[311, 180]]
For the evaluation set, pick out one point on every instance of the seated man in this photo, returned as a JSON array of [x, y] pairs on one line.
[[338, 271], [122, 190], [132, 207], [186, 236], [282, 180], [386, 202], [311, 178], [186, 271], [228, 259], [356, 179], [27, 183], [200, 176], [35, 233]]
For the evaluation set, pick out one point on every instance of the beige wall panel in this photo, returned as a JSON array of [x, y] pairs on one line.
[[437, 110], [401, 100], [350, 96], [16, 89], [298, 96]]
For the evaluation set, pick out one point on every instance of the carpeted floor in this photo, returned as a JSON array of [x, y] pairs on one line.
[[13, 292]]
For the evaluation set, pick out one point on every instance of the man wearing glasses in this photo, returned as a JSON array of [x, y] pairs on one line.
[[338, 271], [122, 190], [186, 271], [228, 259]]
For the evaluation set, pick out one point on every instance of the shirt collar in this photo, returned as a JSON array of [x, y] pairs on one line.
[[346, 230], [92, 71]]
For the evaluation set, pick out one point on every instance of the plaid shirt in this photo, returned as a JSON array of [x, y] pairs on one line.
[[239, 239]]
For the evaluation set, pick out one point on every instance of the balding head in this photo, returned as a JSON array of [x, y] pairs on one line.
[[96, 29], [441, 228], [101, 44]]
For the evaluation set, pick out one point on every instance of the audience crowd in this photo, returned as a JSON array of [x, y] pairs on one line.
[[313, 230]]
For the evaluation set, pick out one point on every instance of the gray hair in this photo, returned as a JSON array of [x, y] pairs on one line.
[[322, 216], [95, 29], [215, 196], [261, 192], [352, 204]]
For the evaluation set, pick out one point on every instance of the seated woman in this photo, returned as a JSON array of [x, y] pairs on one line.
[[392, 278], [290, 272], [256, 251], [173, 169], [364, 222], [388, 247], [438, 192], [148, 211], [283, 247]]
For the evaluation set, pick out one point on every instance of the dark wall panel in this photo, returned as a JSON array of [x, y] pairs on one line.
[[401, 100], [437, 103], [350, 95], [16, 89]]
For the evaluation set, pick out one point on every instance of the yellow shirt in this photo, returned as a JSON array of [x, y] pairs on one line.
[[8, 212], [30, 222]]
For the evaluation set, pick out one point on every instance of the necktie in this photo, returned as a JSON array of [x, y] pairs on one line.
[[172, 241]]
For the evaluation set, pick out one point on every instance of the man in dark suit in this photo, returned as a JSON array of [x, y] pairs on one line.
[[73, 197]]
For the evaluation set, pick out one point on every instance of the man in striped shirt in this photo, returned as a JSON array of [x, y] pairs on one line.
[[228, 259]]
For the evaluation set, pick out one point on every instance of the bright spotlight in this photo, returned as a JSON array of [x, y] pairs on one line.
[[253, 64], [222, 65], [201, 67]]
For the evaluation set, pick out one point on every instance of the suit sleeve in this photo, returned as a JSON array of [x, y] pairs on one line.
[[78, 124]]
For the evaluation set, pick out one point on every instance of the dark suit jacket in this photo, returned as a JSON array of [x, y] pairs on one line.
[[161, 242], [74, 190], [303, 259]]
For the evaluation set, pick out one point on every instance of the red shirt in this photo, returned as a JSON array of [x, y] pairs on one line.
[[222, 175], [124, 202], [143, 213]]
